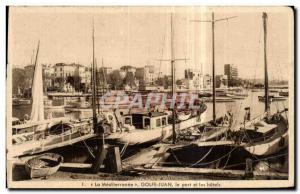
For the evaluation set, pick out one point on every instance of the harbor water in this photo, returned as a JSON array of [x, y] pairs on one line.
[[237, 108]]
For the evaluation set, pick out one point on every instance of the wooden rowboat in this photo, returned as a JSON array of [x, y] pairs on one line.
[[43, 165]]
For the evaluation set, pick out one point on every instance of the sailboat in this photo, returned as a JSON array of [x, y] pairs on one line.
[[150, 125], [257, 138], [267, 134], [217, 128], [40, 134], [272, 98]]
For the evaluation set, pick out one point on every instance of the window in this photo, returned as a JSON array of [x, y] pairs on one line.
[[14, 131], [128, 120], [164, 121], [158, 123], [146, 122]]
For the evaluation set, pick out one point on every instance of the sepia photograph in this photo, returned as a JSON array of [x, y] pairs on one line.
[[150, 97]]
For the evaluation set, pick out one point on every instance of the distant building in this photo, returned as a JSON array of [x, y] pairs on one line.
[[86, 78], [231, 71], [128, 68], [48, 70], [221, 81], [79, 70], [146, 75], [207, 80], [48, 75], [194, 79], [105, 70], [81, 76], [149, 76], [62, 70], [29, 73]]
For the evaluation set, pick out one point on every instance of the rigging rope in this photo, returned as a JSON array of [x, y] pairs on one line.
[[202, 157], [256, 62], [275, 156], [89, 149]]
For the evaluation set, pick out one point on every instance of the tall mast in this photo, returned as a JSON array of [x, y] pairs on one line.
[[213, 21], [94, 82], [173, 80], [104, 79], [97, 86], [213, 65], [265, 17], [35, 61]]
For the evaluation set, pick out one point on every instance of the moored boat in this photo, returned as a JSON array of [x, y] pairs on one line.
[[284, 93], [272, 98], [21, 102], [43, 165]]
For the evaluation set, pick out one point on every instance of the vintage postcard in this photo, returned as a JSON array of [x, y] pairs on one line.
[[150, 97]]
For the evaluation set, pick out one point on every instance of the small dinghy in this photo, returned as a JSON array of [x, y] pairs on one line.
[[185, 115], [43, 165]]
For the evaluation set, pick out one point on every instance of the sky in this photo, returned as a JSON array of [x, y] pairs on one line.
[[140, 36]]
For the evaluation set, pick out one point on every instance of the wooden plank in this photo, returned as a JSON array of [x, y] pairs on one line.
[[36, 147], [64, 164], [216, 172], [100, 157], [75, 165], [214, 143], [157, 157], [114, 159]]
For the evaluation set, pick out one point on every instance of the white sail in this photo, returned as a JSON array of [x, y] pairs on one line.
[[37, 111]]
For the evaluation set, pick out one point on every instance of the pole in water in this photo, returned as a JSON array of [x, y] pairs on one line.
[[114, 164], [249, 169]]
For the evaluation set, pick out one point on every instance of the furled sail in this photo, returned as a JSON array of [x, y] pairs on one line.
[[37, 111]]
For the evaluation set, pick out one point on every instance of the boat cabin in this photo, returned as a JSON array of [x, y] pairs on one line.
[[15, 121], [151, 120], [261, 131]]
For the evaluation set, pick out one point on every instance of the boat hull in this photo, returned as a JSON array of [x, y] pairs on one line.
[[269, 148], [35, 171]]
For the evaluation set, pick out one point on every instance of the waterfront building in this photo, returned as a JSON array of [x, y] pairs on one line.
[[207, 80], [146, 75], [194, 79], [232, 73], [221, 81], [149, 76], [48, 75], [62, 70]]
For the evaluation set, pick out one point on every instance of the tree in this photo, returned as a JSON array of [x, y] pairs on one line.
[[164, 81], [74, 81], [129, 79], [19, 80], [115, 79], [179, 82]]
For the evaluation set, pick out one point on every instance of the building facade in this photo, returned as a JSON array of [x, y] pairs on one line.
[[231, 71], [207, 81], [221, 81], [194, 79], [149, 76], [62, 70]]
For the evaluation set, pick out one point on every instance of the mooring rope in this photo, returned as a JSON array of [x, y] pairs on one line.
[[202, 157], [89, 149], [124, 149]]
